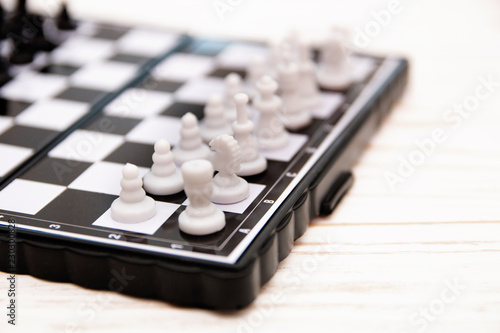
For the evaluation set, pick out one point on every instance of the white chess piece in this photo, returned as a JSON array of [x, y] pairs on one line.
[[201, 216], [190, 145], [335, 70], [275, 54], [164, 178], [214, 122], [133, 206], [271, 133], [252, 163], [233, 86], [307, 71], [257, 69], [227, 186], [291, 41], [294, 114]]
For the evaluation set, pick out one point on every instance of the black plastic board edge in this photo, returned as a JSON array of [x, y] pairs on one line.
[[196, 284]]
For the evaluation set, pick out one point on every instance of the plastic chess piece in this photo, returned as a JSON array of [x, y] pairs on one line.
[[133, 206], [64, 21], [4, 72], [164, 178], [233, 86], [2, 23], [275, 54], [15, 22], [335, 71], [257, 69], [190, 146], [21, 7], [294, 114], [20, 35], [307, 71], [292, 40], [22, 53], [214, 122], [201, 216], [252, 162], [227, 186], [271, 133]]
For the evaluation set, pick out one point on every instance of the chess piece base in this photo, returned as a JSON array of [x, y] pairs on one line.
[[163, 185], [254, 167], [232, 194], [202, 225], [136, 212]]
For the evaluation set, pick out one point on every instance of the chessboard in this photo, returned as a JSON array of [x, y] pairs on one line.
[[87, 112]]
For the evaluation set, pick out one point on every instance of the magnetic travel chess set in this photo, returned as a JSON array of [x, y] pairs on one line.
[[165, 166]]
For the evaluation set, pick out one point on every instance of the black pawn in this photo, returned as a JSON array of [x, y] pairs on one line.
[[2, 23], [4, 72], [21, 8], [22, 53], [15, 21], [64, 21]]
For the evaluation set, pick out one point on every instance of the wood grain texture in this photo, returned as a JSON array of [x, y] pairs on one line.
[[422, 258]]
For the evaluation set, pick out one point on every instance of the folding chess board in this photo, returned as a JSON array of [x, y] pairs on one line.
[[66, 138]]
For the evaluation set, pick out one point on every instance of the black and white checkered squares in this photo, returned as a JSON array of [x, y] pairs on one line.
[[45, 99], [32, 86], [53, 114], [28, 197]]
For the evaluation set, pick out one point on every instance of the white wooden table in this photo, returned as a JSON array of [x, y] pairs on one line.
[[423, 257]]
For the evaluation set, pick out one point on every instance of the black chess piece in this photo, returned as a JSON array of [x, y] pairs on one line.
[[4, 72], [25, 32], [2, 23], [22, 52], [15, 22], [21, 8], [64, 21]]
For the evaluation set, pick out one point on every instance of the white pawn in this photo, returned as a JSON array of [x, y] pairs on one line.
[[292, 43], [252, 163], [133, 206], [257, 69], [335, 71], [164, 178], [214, 122], [201, 216], [228, 187], [190, 145], [295, 115], [275, 54], [307, 71], [271, 134], [233, 86]]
